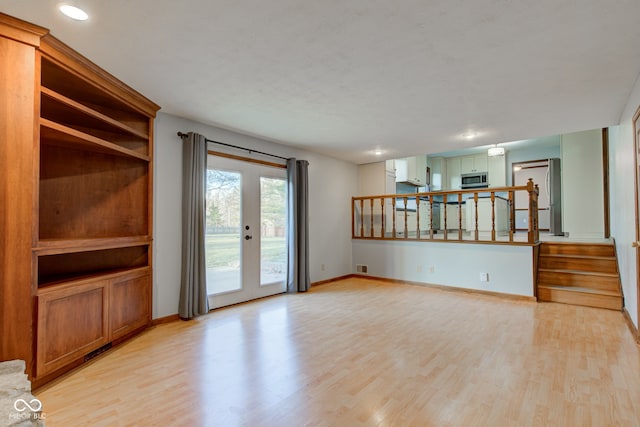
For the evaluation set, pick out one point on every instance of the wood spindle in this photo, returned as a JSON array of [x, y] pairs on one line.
[[444, 203], [353, 218], [417, 217], [371, 224], [361, 217], [512, 215], [475, 202], [393, 217], [493, 216], [382, 217], [459, 216], [406, 225], [431, 217]]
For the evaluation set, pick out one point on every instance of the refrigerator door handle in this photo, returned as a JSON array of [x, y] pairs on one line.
[[547, 182]]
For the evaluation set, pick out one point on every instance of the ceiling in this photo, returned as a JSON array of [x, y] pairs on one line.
[[345, 78]]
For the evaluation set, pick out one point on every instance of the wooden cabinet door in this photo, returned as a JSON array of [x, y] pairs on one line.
[[72, 321], [129, 306]]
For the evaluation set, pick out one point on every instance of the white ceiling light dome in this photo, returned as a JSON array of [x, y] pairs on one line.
[[73, 12]]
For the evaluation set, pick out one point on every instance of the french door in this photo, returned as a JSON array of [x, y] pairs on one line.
[[245, 242]]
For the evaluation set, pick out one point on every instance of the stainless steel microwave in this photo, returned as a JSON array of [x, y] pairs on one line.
[[474, 180]]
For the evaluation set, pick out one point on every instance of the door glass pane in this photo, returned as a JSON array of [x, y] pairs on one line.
[[223, 241], [273, 220]]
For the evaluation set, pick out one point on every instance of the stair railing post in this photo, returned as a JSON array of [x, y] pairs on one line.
[[533, 233]]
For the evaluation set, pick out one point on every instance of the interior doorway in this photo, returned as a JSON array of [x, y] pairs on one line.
[[547, 175]]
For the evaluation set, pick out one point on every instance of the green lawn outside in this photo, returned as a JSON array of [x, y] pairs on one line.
[[223, 250]]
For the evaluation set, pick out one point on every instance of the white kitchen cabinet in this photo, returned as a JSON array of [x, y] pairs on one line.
[[402, 171], [410, 216], [438, 167], [453, 174], [476, 163], [412, 170], [453, 216], [496, 169], [485, 215]]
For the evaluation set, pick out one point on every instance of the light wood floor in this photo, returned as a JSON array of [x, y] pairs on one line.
[[365, 353]]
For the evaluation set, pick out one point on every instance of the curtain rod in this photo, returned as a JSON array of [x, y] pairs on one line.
[[182, 135]]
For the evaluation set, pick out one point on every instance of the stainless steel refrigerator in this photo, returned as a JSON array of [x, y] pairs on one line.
[[553, 186]]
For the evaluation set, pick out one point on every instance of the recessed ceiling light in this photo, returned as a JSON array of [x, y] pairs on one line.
[[73, 12], [378, 152], [470, 135]]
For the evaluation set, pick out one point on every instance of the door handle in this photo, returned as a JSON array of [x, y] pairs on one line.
[[635, 244], [248, 237]]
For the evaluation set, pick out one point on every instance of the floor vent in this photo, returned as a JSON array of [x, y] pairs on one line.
[[94, 353], [361, 268]]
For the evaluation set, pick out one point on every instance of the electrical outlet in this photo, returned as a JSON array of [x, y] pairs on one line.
[[484, 277], [419, 269], [432, 269], [321, 267]]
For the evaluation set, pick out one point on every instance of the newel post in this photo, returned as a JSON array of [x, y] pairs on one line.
[[533, 234]]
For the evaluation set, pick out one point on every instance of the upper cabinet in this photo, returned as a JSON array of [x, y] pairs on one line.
[[457, 166], [497, 174], [412, 170], [438, 177], [476, 163], [453, 174]]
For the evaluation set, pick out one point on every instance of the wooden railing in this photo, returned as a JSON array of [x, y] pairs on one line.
[[479, 215]]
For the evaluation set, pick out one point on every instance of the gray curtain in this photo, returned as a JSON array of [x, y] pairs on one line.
[[298, 226], [193, 284]]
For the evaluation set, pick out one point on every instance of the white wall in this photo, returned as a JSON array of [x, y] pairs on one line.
[[582, 186], [621, 169], [332, 182], [510, 268]]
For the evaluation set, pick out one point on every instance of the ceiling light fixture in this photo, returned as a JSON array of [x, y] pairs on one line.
[[73, 12], [495, 151], [470, 135], [378, 152]]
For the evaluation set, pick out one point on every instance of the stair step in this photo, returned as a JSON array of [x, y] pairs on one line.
[[577, 278], [580, 296], [594, 264], [594, 249]]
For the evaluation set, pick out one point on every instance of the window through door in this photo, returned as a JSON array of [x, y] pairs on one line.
[[245, 244]]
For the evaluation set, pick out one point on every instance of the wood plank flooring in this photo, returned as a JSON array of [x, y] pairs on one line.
[[364, 353]]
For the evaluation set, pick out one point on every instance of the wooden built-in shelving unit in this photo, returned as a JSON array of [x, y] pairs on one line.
[[81, 158]]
